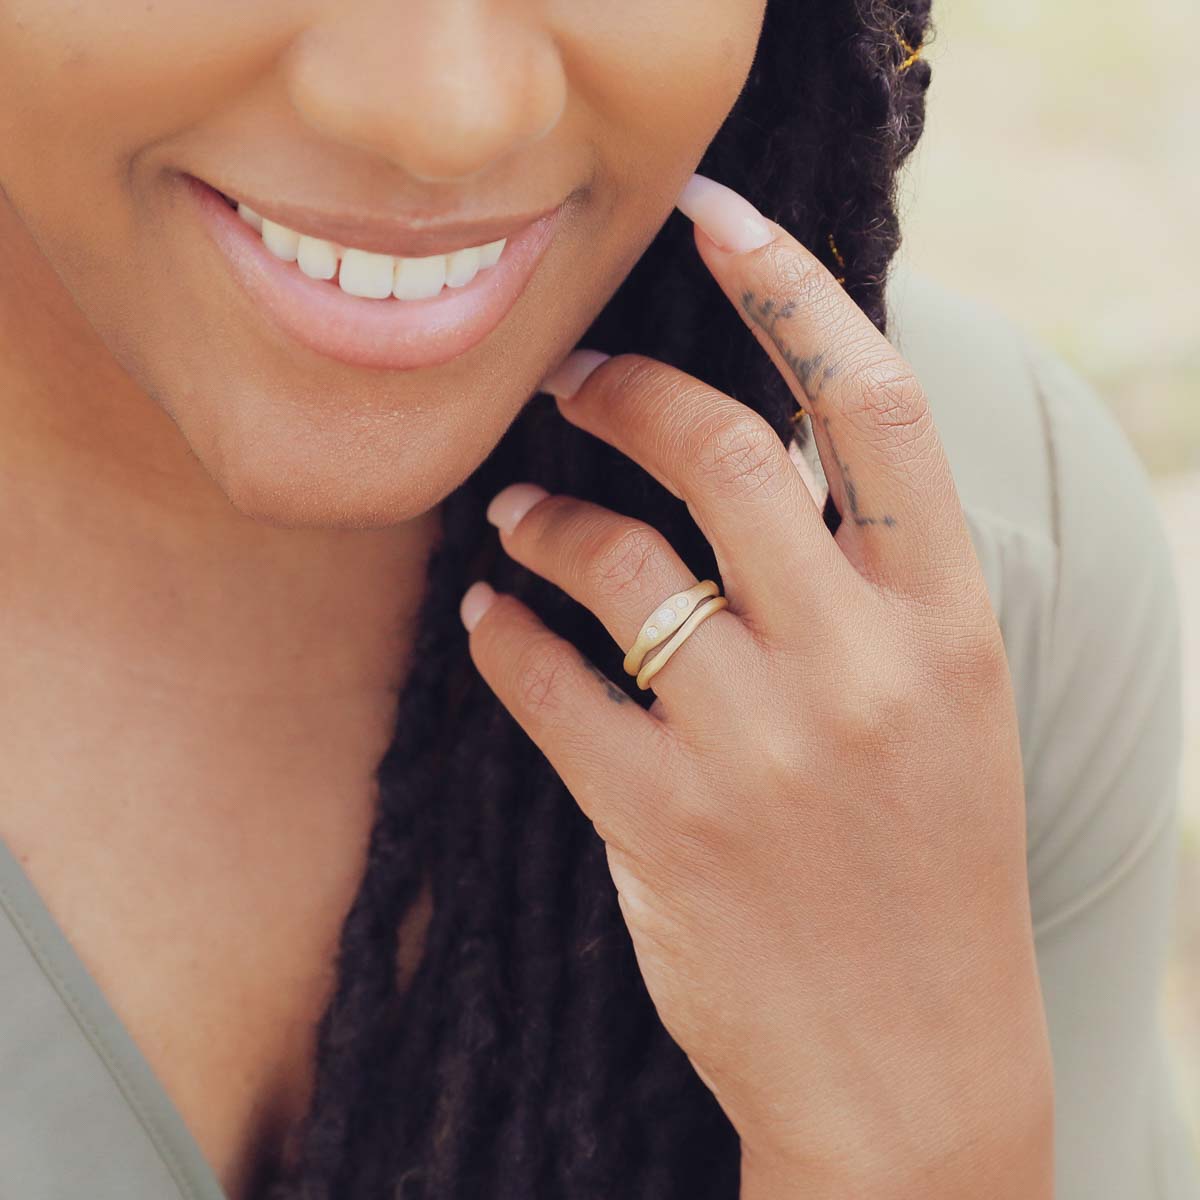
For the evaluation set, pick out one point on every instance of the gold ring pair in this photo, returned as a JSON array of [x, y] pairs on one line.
[[669, 626]]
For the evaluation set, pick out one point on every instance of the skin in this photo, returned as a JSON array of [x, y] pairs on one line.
[[851, 867], [250, 525], [250, 521]]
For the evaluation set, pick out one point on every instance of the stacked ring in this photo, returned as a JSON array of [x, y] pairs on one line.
[[668, 627]]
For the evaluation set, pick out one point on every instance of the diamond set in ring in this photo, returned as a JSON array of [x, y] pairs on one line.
[[665, 616]]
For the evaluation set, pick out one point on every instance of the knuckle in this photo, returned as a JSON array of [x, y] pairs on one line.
[[542, 677], [962, 643], [701, 829], [955, 673], [877, 719], [630, 374], [740, 456], [783, 758], [710, 805], [622, 561], [777, 757], [891, 396], [973, 660]]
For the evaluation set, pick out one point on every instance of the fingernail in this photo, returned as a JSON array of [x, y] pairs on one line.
[[729, 219], [510, 504], [567, 378], [477, 599]]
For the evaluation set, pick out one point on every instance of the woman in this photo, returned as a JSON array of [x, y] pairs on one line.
[[310, 841]]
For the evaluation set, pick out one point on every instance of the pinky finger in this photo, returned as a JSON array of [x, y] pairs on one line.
[[604, 746]]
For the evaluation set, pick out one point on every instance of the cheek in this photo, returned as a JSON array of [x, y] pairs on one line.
[[148, 65], [85, 87], [663, 73], [655, 80]]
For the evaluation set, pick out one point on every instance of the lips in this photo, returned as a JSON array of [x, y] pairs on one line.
[[412, 237], [390, 334]]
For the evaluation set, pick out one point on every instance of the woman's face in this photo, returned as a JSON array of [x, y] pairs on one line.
[[411, 111]]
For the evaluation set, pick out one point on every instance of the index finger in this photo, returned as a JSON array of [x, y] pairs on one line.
[[902, 519]]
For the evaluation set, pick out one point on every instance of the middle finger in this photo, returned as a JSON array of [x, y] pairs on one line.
[[741, 486]]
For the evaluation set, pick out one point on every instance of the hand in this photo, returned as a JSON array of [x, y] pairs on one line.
[[817, 830]]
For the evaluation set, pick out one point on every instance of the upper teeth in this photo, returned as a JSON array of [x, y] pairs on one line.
[[365, 273]]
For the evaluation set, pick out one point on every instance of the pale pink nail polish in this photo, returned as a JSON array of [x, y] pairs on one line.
[[729, 219], [476, 600], [510, 504], [567, 378]]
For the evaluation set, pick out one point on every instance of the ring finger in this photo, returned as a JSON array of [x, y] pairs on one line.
[[620, 569]]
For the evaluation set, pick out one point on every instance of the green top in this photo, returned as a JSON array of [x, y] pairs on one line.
[[1078, 569], [81, 1112]]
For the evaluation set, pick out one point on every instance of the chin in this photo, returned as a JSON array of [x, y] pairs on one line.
[[333, 470], [311, 496]]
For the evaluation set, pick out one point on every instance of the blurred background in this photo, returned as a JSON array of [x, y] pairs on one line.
[[1058, 181]]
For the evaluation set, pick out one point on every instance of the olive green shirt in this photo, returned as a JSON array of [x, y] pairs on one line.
[[1077, 564]]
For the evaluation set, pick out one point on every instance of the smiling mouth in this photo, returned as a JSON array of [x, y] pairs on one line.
[[364, 307], [366, 273]]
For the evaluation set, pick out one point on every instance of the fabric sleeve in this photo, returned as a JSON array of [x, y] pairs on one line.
[[1102, 761]]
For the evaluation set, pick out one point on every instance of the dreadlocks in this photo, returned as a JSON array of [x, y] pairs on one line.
[[525, 1058]]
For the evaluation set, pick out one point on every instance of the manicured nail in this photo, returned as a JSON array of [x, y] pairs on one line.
[[729, 219], [510, 504], [567, 378], [477, 599]]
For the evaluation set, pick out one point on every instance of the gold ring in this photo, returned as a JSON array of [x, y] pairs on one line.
[[675, 618]]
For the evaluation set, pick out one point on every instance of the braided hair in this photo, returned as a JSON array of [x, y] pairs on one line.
[[524, 1058]]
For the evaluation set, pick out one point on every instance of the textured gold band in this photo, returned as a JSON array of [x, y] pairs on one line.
[[705, 608], [669, 625]]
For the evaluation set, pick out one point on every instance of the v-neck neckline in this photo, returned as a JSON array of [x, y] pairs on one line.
[[105, 1033]]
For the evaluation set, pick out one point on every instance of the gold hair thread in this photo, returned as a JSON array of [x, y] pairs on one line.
[[914, 54], [837, 254]]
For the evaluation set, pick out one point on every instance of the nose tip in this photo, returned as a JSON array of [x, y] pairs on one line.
[[474, 161], [444, 103]]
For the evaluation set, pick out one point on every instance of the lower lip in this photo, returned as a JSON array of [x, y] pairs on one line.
[[393, 334]]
